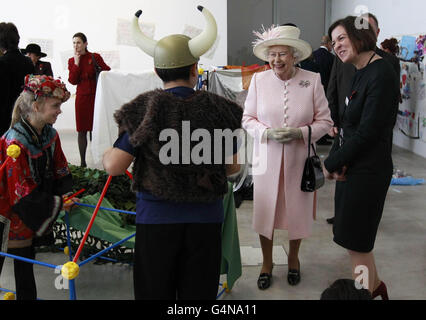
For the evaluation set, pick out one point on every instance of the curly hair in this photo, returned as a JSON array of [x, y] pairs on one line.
[[390, 45]]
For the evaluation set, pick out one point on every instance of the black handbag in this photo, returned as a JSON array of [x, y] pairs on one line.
[[98, 68], [313, 176]]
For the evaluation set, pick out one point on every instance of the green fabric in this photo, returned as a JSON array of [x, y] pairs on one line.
[[108, 226], [231, 256]]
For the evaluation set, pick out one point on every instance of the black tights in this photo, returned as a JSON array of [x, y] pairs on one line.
[[24, 273], [82, 147]]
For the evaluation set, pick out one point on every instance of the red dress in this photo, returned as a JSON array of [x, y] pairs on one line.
[[84, 77]]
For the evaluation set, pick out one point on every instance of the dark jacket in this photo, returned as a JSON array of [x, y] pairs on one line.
[[43, 68], [309, 64], [366, 144], [14, 66], [324, 60], [145, 117], [341, 81]]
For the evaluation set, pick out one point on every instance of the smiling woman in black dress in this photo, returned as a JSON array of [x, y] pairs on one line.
[[362, 162]]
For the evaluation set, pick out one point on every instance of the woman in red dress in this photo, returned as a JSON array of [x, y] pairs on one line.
[[82, 73]]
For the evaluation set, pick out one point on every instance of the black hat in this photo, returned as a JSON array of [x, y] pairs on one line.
[[33, 48]]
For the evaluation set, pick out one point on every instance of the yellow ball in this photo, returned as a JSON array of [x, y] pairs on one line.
[[70, 270], [9, 296], [67, 251], [225, 286], [13, 151], [200, 71]]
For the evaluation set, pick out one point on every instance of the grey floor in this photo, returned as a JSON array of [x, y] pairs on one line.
[[400, 249]]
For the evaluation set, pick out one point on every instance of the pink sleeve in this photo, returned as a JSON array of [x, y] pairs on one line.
[[322, 122], [250, 122]]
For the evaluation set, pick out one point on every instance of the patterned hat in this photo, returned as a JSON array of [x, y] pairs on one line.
[[46, 86]]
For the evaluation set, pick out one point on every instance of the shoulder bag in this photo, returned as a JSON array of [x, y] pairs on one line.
[[313, 176]]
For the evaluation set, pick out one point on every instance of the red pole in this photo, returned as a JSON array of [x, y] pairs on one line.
[[129, 175], [74, 195], [86, 234]]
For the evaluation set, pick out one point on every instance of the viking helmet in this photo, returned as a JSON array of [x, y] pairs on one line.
[[176, 50]]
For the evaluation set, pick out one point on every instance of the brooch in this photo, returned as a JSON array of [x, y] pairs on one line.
[[352, 95], [304, 83]]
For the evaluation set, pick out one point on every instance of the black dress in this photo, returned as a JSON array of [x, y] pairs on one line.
[[365, 148]]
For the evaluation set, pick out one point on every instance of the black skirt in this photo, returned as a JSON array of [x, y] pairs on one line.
[[359, 205]]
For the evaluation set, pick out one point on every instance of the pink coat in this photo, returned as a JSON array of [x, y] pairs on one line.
[[279, 202]]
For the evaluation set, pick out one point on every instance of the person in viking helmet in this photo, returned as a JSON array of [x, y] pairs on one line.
[[180, 179]]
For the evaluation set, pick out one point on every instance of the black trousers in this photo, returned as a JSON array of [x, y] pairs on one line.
[[24, 273], [177, 261]]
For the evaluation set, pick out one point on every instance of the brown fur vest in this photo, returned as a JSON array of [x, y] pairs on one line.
[[147, 115]]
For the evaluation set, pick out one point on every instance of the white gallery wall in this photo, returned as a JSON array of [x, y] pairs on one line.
[[396, 17], [53, 23]]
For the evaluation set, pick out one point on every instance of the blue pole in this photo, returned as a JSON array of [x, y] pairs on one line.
[[71, 283], [43, 264], [105, 250], [67, 221], [218, 296], [103, 208]]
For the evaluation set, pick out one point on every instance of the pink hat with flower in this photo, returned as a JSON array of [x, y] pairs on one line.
[[280, 36], [46, 86]]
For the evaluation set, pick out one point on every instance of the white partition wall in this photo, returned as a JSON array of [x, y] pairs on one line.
[[52, 24]]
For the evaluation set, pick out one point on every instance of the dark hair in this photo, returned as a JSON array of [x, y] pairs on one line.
[[9, 36], [362, 39], [344, 289], [167, 75], [391, 44], [80, 35], [370, 15]]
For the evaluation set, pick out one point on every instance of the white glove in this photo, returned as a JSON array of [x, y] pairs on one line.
[[284, 135]]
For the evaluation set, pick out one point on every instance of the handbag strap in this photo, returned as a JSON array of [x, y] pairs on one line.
[[309, 143], [95, 63]]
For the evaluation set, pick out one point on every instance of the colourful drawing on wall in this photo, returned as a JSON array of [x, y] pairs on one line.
[[411, 119]]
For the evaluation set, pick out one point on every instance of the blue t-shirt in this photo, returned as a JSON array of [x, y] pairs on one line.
[[153, 210]]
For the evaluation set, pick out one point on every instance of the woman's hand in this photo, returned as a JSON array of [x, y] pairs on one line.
[[76, 58], [338, 176], [284, 135], [334, 131]]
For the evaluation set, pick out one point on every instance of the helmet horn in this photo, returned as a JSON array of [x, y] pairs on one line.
[[142, 41], [205, 40]]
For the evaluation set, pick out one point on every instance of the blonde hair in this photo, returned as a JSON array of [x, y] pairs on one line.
[[23, 106]]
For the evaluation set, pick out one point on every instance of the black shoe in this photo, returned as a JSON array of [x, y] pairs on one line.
[[293, 276], [330, 220], [264, 281]]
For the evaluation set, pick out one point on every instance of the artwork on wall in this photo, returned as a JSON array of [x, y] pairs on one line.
[[124, 32], [411, 119], [46, 46], [192, 32], [111, 58]]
